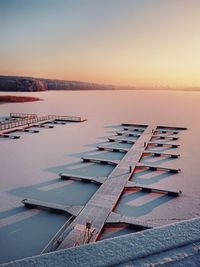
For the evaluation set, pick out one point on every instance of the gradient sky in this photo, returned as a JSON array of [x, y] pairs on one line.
[[129, 42]]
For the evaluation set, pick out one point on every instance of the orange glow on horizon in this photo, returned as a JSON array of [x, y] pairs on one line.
[[132, 44]]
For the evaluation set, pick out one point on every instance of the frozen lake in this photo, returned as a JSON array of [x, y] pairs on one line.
[[30, 165]]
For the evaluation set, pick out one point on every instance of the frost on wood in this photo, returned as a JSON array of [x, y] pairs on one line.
[[177, 244]]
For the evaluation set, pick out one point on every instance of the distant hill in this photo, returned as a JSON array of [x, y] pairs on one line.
[[30, 84]]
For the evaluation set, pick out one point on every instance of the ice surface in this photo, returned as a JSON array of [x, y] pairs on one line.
[[30, 165]]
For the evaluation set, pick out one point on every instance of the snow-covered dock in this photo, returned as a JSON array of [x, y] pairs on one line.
[[26, 120], [172, 245], [99, 211]]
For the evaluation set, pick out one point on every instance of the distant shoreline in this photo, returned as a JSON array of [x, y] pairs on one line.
[[17, 99], [31, 84]]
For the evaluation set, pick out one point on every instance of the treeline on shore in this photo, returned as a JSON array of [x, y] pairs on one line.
[[29, 84]]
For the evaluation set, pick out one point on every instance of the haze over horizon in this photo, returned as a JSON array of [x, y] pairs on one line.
[[121, 42]]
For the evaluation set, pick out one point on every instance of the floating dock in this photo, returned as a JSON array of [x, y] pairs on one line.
[[9, 136], [99, 212], [154, 143], [96, 180], [121, 140], [113, 149], [133, 129], [157, 168], [99, 160], [157, 136], [103, 202], [133, 186], [53, 207], [27, 130], [117, 219], [128, 134], [161, 154], [23, 122]]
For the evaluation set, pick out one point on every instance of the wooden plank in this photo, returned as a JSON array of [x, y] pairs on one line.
[[43, 125], [135, 125], [53, 207], [128, 134], [134, 129], [97, 180], [115, 218], [132, 185], [10, 136], [157, 168], [163, 144], [160, 154], [171, 127], [113, 149], [158, 136], [122, 140], [167, 131], [99, 160], [29, 131]]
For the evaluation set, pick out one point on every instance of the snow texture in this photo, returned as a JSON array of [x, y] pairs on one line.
[[172, 245]]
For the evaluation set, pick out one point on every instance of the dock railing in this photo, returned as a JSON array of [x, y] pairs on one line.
[[54, 242], [22, 115], [21, 122], [21, 119]]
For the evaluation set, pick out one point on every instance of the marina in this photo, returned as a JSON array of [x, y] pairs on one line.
[[99, 211], [60, 150]]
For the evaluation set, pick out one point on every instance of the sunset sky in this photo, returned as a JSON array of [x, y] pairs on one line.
[[122, 42]]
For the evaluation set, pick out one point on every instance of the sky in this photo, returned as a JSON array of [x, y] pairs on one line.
[[121, 42]]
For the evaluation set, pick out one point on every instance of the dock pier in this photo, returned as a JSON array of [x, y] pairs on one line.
[[23, 122], [56, 208], [99, 211]]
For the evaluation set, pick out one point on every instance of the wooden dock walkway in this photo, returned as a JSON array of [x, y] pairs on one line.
[[115, 218], [96, 180], [17, 120], [104, 200], [53, 207], [133, 186], [91, 219]]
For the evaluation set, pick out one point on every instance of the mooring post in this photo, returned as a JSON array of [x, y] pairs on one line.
[[88, 227], [130, 169]]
